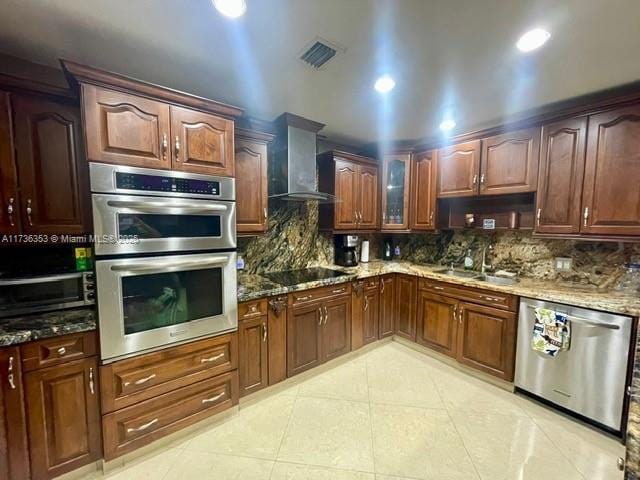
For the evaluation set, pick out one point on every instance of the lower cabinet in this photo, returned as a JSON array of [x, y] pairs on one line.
[[253, 369], [64, 417], [14, 452], [437, 323], [487, 339], [406, 290], [365, 299], [387, 306], [318, 328]]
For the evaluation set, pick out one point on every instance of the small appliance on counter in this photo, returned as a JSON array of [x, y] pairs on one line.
[[387, 250], [345, 250], [364, 251]]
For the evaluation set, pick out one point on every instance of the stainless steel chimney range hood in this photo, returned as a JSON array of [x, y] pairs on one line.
[[292, 171]]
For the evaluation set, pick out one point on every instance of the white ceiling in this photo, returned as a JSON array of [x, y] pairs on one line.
[[454, 56]]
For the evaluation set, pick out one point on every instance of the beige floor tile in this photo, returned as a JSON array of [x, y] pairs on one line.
[[347, 382], [506, 447], [330, 433], [592, 453], [212, 466], [387, 477], [292, 471], [418, 443], [461, 392], [149, 467], [256, 431], [402, 384]]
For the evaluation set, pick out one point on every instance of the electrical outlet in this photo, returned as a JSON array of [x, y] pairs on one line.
[[564, 264]]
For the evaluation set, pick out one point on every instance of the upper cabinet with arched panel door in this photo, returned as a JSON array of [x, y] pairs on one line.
[[139, 124]]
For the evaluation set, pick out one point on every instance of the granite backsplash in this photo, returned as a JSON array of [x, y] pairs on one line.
[[293, 241]]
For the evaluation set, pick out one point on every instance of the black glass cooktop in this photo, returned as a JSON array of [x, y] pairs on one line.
[[294, 277]]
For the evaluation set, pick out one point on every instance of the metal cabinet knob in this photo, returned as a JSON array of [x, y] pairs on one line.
[[62, 351], [10, 210], [29, 212]]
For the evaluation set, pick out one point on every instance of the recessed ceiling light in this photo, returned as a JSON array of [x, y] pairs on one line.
[[231, 8], [533, 39], [384, 84], [447, 125]]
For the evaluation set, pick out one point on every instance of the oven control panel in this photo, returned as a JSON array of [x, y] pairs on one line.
[[158, 183]]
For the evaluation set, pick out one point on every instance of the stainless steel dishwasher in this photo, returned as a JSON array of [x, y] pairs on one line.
[[589, 378]]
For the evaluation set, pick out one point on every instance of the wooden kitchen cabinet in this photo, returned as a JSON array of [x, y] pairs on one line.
[[406, 289], [14, 453], [437, 322], [387, 306], [9, 211], [353, 179], [126, 129], [365, 299], [63, 417], [396, 183], [336, 334], [53, 176], [253, 360], [252, 197], [509, 162], [458, 167], [611, 197], [423, 190], [202, 143], [487, 339], [277, 339], [304, 338], [561, 173]]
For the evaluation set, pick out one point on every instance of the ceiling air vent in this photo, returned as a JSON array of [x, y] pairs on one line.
[[319, 52]]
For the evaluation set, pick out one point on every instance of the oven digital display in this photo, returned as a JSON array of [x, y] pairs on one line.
[[157, 183]]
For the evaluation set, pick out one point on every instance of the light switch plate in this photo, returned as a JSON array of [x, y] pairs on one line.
[[563, 264]]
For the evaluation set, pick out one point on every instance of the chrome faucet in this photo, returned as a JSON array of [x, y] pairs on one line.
[[486, 265]]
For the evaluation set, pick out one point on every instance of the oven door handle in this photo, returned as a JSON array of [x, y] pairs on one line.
[[169, 266], [176, 207], [45, 279]]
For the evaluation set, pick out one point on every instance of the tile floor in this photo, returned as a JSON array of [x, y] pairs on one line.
[[392, 413]]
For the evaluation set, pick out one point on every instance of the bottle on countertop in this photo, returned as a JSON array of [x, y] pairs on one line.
[[396, 251], [387, 251], [468, 261]]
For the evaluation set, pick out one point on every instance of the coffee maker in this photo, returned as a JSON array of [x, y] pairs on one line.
[[345, 250]]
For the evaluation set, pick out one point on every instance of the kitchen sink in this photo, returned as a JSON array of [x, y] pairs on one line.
[[496, 280], [482, 277], [459, 273]]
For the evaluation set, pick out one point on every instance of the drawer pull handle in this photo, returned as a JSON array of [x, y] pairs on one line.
[[141, 381], [213, 399], [435, 287], [143, 427], [253, 308], [212, 359], [338, 290], [492, 299], [62, 351], [302, 299]]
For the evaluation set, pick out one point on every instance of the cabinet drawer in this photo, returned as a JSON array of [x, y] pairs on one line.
[[306, 297], [133, 427], [54, 351], [131, 381], [490, 298], [252, 309]]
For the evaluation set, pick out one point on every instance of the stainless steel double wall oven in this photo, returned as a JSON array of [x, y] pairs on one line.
[[166, 263]]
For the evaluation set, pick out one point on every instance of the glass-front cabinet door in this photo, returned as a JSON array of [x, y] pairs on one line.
[[395, 191]]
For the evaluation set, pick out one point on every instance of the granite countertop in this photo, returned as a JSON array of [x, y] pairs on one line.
[[252, 286], [24, 329]]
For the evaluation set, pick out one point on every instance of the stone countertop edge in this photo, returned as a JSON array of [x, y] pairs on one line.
[[18, 330], [587, 297]]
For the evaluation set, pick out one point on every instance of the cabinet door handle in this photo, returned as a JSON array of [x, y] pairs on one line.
[[142, 427], [29, 212], [141, 380], [212, 359], [213, 399], [482, 179], [475, 179], [165, 145], [366, 303], [10, 210], [431, 217], [91, 384], [264, 332], [460, 312], [10, 377], [538, 215], [586, 215], [177, 147], [326, 315], [455, 312], [265, 214], [321, 316]]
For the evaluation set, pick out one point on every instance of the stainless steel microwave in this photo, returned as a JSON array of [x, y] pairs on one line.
[[140, 210]]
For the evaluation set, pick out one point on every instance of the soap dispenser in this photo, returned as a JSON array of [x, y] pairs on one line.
[[468, 261]]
